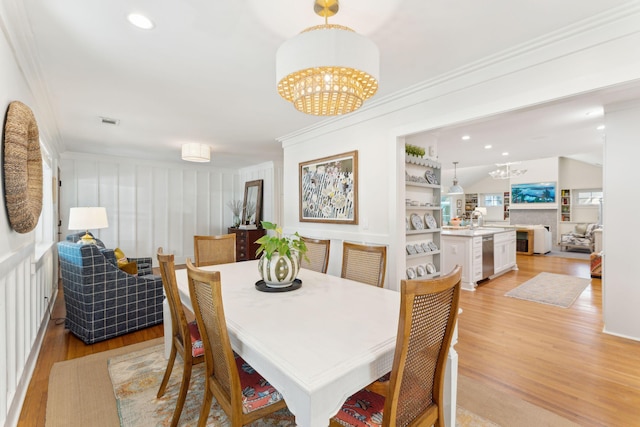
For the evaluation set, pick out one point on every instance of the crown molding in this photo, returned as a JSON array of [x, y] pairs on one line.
[[16, 27], [608, 26]]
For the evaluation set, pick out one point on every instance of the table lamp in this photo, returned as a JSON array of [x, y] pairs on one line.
[[85, 218]]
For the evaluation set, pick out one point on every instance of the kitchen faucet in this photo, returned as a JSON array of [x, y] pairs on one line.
[[480, 219]]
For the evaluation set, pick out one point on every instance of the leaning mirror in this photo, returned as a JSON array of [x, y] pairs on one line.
[[252, 213]]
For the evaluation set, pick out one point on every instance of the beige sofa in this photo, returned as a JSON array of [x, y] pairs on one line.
[[581, 238]]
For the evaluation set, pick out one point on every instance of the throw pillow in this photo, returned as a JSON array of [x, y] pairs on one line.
[[123, 262], [581, 228], [129, 267], [120, 257]]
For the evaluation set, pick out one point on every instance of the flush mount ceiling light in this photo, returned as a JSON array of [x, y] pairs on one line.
[[140, 21], [196, 152], [327, 70], [505, 171], [455, 188]]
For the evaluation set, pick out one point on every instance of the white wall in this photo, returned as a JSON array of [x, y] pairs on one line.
[[621, 282], [25, 279], [594, 56], [150, 204]]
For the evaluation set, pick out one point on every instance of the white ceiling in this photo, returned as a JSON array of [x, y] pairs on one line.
[[206, 73], [567, 128]]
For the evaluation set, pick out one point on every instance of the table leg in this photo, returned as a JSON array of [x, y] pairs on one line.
[[451, 388]]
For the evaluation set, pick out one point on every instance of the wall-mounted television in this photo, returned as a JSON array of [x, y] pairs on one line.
[[539, 192]]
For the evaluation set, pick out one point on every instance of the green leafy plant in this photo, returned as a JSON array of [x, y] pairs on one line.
[[284, 245], [414, 150]]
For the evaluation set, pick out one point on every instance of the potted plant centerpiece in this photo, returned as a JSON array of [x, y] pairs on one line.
[[280, 260]]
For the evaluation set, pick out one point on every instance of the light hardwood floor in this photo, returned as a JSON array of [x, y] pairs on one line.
[[555, 358]]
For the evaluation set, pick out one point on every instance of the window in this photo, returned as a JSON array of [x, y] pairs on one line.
[[493, 199], [445, 201], [44, 232], [588, 197]]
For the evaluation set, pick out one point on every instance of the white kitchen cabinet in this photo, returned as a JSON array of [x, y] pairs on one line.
[[466, 252], [504, 251], [464, 247]]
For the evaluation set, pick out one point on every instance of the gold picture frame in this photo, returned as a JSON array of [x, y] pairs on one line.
[[329, 189]]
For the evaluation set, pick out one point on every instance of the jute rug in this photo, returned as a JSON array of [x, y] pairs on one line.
[[81, 393], [549, 288]]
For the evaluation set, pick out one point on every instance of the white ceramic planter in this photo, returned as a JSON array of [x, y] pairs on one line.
[[278, 272]]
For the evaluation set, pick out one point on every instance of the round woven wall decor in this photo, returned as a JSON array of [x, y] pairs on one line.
[[22, 168]]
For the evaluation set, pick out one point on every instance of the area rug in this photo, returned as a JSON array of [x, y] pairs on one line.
[[136, 377], [560, 290], [81, 394]]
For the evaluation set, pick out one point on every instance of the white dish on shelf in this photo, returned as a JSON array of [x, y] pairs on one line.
[[411, 249], [419, 248], [431, 269], [426, 247], [421, 271], [416, 222], [411, 273], [431, 177], [433, 246], [430, 221]]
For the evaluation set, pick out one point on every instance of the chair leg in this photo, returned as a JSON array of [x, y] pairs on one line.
[[167, 372], [182, 396], [206, 405]]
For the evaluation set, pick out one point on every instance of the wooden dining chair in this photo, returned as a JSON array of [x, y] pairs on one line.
[[212, 250], [414, 394], [185, 337], [317, 254], [242, 393], [364, 263]]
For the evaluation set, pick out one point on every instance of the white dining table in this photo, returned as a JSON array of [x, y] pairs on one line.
[[318, 344]]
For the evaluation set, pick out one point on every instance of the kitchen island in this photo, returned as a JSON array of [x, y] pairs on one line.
[[483, 252]]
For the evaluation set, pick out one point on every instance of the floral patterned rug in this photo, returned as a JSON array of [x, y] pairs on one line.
[[136, 378]]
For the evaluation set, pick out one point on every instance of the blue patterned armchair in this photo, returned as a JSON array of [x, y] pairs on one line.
[[103, 301]]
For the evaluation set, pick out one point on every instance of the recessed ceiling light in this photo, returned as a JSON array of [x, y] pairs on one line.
[[140, 21], [601, 127], [466, 137], [505, 154], [486, 147]]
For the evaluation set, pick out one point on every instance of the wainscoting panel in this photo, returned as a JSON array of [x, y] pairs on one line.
[[151, 204], [24, 284]]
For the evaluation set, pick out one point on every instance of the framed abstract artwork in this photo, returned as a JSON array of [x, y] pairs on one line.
[[329, 189]]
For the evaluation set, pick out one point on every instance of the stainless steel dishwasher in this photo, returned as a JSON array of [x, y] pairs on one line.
[[487, 256]]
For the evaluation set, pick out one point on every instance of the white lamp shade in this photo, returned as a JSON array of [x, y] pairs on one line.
[[327, 48], [85, 218], [196, 152]]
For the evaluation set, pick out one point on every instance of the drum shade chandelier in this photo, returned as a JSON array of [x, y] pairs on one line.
[[327, 70]]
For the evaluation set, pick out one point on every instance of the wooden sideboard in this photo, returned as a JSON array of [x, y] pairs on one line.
[[245, 246], [524, 241]]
